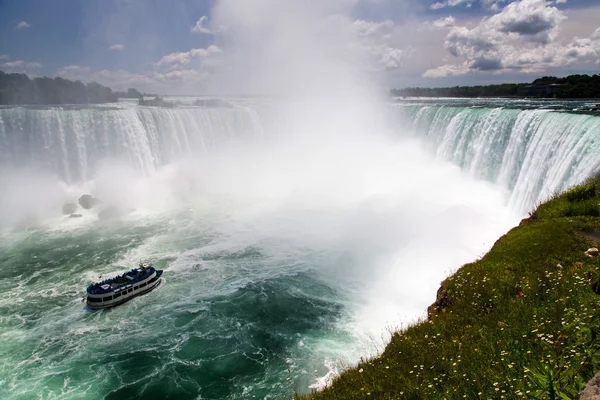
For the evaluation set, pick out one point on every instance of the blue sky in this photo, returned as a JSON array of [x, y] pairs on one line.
[[151, 44], [77, 32]]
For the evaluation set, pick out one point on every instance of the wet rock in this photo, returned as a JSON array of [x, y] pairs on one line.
[[75, 216], [88, 201], [69, 208]]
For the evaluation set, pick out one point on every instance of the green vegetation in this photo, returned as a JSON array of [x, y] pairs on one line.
[[19, 89], [521, 322], [131, 93], [572, 86], [503, 90]]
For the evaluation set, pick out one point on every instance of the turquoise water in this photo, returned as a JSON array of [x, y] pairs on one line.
[[227, 321], [286, 256]]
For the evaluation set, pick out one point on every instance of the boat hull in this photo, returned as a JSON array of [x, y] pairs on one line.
[[101, 305]]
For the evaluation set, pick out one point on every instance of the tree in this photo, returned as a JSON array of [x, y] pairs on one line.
[[19, 89]]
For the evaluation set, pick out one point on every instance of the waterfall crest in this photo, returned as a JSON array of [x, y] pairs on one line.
[[71, 142], [532, 152]]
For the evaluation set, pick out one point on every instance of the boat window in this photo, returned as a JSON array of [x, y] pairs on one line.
[[93, 300], [135, 287], [117, 295], [142, 285], [130, 290], [108, 298]]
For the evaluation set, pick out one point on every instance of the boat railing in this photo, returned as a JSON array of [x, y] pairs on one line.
[[96, 288]]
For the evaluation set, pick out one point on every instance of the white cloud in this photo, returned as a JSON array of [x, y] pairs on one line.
[[117, 47], [23, 25], [188, 81], [453, 3], [200, 27], [531, 18], [391, 58], [180, 72], [446, 22], [586, 49], [493, 5], [376, 42], [72, 70], [116, 79], [450, 3], [13, 64], [20, 64], [520, 38], [179, 59], [447, 70], [370, 28]]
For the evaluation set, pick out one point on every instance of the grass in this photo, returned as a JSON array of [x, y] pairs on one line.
[[522, 322]]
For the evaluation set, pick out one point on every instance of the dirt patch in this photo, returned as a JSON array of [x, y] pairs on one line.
[[593, 236]]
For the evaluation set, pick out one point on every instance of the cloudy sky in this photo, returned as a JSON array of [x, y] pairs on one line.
[[177, 46]]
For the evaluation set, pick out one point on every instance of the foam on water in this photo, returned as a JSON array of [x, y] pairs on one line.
[[352, 229], [337, 223], [292, 234]]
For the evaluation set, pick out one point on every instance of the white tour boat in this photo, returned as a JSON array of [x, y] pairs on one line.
[[118, 290]]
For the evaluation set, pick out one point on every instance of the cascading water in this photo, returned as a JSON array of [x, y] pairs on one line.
[[531, 152], [287, 243], [292, 231], [71, 142]]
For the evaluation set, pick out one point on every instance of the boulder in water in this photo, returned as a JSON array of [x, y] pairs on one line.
[[87, 201], [75, 216], [69, 208]]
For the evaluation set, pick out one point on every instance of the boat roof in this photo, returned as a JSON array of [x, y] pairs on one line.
[[126, 279]]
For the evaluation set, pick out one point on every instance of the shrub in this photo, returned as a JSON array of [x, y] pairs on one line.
[[581, 193]]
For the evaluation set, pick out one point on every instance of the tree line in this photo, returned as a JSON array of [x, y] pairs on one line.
[[572, 86], [17, 88]]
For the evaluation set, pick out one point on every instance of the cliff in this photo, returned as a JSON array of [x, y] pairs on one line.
[[521, 322]]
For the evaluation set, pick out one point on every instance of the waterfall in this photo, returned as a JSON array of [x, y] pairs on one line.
[[71, 142], [532, 152]]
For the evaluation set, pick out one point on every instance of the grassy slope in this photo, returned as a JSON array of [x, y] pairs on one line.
[[522, 322]]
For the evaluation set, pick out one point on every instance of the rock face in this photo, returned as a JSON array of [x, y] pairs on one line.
[[69, 208], [442, 302], [87, 201], [528, 220], [591, 390]]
